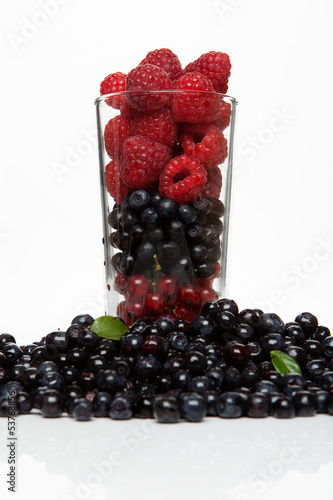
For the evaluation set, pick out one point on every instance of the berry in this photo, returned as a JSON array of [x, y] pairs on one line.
[[190, 295], [120, 408], [167, 210], [236, 354], [215, 66], [51, 403], [304, 403], [143, 78], [116, 131], [81, 410], [115, 186], [182, 179], [196, 101], [308, 322], [143, 161], [155, 304], [138, 286], [165, 59], [223, 118], [213, 186], [230, 405], [168, 286], [258, 405], [166, 409], [158, 126], [193, 407], [115, 82], [205, 142]]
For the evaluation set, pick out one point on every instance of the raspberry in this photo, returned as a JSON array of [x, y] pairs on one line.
[[182, 179], [215, 66], [147, 78], [165, 59], [223, 118], [114, 184], [116, 131], [205, 143], [115, 82], [143, 161], [199, 105], [158, 126], [213, 186]]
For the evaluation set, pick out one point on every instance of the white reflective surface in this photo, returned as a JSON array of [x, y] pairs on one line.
[[244, 459]]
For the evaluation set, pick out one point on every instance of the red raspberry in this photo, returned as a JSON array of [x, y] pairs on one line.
[[182, 179], [143, 161], [116, 131], [114, 184], [147, 78], [223, 117], [200, 105], [158, 126], [115, 82], [205, 143], [138, 286], [189, 295], [213, 186], [165, 59], [215, 66]]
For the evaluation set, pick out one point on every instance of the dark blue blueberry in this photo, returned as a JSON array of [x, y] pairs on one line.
[[187, 214], [321, 333], [73, 333], [296, 333], [214, 253], [176, 231], [271, 323], [202, 205], [321, 398], [178, 341], [166, 323], [53, 380], [199, 253], [114, 218], [250, 375], [96, 362], [193, 407], [199, 384], [211, 235], [304, 403], [154, 234], [149, 216], [155, 198], [88, 340], [129, 219], [292, 380], [166, 409], [327, 345], [326, 380], [82, 410], [248, 316], [203, 325], [139, 200], [308, 322], [125, 263], [232, 378], [195, 362], [265, 387], [217, 209], [110, 381], [215, 377], [298, 354], [145, 255], [180, 379], [120, 240], [183, 269], [236, 354], [12, 353], [205, 270], [144, 407], [167, 254], [282, 407], [211, 397], [77, 357], [314, 368], [51, 403], [147, 367], [272, 342], [163, 383], [101, 404], [258, 405], [131, 343], [313, 348], [120, 408], [58, 339], [48, 366], [230, 405], [24, 403], [6, 338], [195, 233], [167, 210]]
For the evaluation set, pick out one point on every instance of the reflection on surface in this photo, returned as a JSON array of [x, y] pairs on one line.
[[103, 457]]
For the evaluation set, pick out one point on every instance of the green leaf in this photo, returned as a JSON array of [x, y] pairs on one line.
[[283, 363], [108, 327]]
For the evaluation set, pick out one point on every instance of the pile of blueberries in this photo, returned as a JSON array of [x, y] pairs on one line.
[[217, 365], [184, 238]]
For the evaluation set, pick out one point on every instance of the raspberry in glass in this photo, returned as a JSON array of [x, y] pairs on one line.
[[213, 186], [116, 131], [182, 179], [143, 78], [205, 142], [165, 59], [215, 66], [158, 126], [196, 101], [143, 161], [115, 186], [115, 82]]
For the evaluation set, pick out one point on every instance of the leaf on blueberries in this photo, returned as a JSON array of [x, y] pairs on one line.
[[108, 327], [283, 363]]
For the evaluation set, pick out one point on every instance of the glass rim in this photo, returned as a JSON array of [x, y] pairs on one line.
[[105, 97]]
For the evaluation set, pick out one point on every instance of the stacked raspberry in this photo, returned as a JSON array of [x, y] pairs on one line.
[[168, 141]]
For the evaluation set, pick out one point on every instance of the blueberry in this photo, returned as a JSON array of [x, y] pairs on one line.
[[205, 270], [258, 405], [129, 219], [147, 367], [110, 381], [145, 255], [217, 207], [180, 379], [199, 253], [139, 200], [24, 403], [202, 205], [176, 231], [298, 354], [228, 305], [193, 407], [155, 345], [304, 403], [187, 214], [96, 362], [250, 375], [51, 403], [236, 354], [87, 380], [244, 332], [195, 362], [313, 348], [199, 384], [327, 345], [195, 233], [232, 378], [58, 339], [313, 368], [132, 343], [12, 353], [154, 234], [215, 377], [282, 407], [292, 380], [211, 235], [6, 338], [144, 407], [149, 216], [326, 380], [88, 340], [321, 398], [271, 323], [77, 357], [81, 410], [53, 380], [167, 210], [155, 198], [204, 325], [120, 240], [165, 323], [308, 322], [167, 254], [178, 341], [125, 263], [265, 387], [230, 405], [114, 218], [183, 269], [166, 409], [321, 333], [214, 253], [249, 316], [296, 333], [120, 408]]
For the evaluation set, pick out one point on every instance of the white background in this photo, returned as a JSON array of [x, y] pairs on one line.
[[281, 252]]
